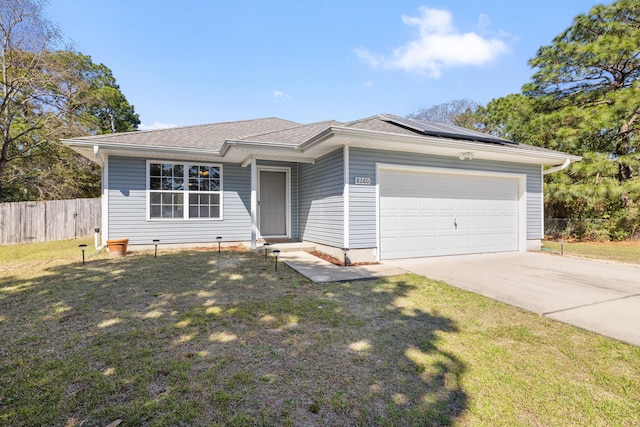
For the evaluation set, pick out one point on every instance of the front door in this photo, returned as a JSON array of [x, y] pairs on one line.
[[272, 202]]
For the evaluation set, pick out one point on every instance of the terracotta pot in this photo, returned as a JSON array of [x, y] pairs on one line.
[[117, 247]]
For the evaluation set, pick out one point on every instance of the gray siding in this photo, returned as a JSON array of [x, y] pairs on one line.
[[128, 208], [362, 199], [321, 201]]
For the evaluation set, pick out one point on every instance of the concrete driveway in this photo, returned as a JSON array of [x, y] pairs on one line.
[[603, 297]]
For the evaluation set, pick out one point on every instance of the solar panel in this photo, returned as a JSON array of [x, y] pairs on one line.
[[447, 131]]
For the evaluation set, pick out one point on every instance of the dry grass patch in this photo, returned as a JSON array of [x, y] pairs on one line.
[[193, 338], [626, 251]]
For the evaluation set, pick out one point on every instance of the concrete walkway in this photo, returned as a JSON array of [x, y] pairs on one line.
[[321, 271]]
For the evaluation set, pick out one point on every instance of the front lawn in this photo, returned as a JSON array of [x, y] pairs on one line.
[[194, 338], [626, 251]]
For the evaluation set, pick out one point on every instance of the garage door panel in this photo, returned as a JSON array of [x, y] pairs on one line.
[[388, 226], [408, 223], [428, 223], [427, 243], [428, 204], [390, 245], [419, 213], [408, 203], [388, 204], [446, 205], [463, 205], [479, 222], [445, 223]]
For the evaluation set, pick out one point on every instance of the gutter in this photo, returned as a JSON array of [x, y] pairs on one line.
[[367, 135], [563, 166], [229, 143]]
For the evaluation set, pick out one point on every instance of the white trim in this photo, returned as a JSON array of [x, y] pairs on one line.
[[522, 194], [378, 248], [541, 202], [450, 147], [346, 199], [254, 204], [105, 200], [185, 192], [287, 171]]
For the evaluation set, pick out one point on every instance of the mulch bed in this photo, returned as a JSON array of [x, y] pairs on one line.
[[336, 261]]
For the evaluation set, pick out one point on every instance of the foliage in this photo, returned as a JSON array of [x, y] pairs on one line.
[[447, 112], [583, 99], [48, 94]]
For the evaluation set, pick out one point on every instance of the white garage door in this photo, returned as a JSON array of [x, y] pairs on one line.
[[432, 214]]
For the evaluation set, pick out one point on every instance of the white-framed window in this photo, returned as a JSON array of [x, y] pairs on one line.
[[178, 190]]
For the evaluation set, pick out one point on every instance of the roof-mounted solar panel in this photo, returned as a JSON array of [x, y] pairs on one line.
[[446, 131]]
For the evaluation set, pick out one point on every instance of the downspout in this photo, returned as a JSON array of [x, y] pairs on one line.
[[98, 155], [97, 240], [563, 166]]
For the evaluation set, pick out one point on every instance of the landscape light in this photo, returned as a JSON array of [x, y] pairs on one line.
[[266, 249], [83, 247], [219, 239], [276, 252], [155, 242]]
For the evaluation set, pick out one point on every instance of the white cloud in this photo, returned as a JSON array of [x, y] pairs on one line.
[[370, 58], [156, 125], [484, 23], [438, 45], [277, 94]]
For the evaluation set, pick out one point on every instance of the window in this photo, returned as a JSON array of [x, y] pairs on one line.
[[169, 197]]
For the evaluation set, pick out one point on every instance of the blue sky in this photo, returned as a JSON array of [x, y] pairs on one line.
[[195, 62]]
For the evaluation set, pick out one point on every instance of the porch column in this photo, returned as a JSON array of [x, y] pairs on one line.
[[345, 196], [254, 204]]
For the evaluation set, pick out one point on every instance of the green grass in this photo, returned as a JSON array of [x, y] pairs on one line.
[[193, 338], [627, 251]]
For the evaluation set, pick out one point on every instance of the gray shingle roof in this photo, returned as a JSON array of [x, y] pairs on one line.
[[377, 124], [210, 136], [274, 130], [293, 136]]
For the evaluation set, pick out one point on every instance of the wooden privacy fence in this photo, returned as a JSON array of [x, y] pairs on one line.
[[27, 222]]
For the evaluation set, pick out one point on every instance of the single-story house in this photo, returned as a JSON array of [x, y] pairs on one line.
[[384, 186]]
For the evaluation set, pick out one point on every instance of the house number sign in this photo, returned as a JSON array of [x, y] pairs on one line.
[[363, 181]]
